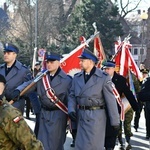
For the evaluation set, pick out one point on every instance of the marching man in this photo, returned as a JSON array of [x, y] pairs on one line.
[[92, 92], [53, 119]]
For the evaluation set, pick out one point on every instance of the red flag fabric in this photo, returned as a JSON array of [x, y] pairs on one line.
[[99, 51], [125, 62], [70, 64]]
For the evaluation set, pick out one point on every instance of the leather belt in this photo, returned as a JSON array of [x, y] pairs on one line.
[[50, 109], [91, 107]]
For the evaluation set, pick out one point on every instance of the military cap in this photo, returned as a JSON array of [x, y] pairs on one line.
[[8, 47], [51, 56], [145, 71], [87, 54], [2, 79], [109, 64]]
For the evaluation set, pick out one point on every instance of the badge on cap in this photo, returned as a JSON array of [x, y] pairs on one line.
[[6, 45]]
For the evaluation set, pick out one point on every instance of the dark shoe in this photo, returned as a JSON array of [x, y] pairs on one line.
[[121, 147], [128, 147], [28, 118], [147, 137], [72, 144], [136, 129]]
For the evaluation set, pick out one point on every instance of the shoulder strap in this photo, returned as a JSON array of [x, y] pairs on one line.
[[51, 95], [119, 101]]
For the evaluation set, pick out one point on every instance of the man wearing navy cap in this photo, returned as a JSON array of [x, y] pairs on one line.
[[15, 74], [91, 92], [53, 121], [122, 88]]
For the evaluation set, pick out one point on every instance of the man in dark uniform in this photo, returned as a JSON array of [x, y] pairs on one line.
[[91, 91], [122, 88], [15, 134], [15, 73], [144, 96], [141, 104]]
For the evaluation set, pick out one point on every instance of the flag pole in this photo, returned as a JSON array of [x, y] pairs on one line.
[[34, 60], [120, 46]]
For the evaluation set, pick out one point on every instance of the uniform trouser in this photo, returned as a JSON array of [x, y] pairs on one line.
[[36, 129], [147, 118], [127, 124], [20, 104], [111, 135], [137, 116], [28, 107]]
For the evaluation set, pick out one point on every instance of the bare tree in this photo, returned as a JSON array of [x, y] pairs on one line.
[[127, 6], [52, 16]]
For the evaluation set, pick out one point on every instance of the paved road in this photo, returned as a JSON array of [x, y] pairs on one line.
[[138, 141]]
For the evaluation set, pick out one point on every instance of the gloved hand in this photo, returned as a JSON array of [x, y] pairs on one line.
[[15, 95], [73, 116]]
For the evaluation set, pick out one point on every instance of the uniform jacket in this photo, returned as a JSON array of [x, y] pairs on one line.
[[91, 123], [122, 88], [52, 126], [144, 94], [15, 77], [14, 131]]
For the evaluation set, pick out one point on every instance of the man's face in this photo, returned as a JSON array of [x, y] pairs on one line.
[[110, 71], [52, 66], [9, 57], [85, 63]]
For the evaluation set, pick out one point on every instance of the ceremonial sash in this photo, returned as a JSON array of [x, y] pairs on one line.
[[51, 95], [119, 101]]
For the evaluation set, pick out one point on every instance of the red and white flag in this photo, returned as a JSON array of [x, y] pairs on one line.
[[70, 63], [125, 62], [99, 51]]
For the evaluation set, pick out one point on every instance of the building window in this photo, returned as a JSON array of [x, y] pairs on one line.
[[141, 51], [135, 52]]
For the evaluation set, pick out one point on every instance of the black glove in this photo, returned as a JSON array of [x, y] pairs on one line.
[[73, 116], [15, 95]]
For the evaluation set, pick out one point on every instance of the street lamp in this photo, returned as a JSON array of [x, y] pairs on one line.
[[144, 17]]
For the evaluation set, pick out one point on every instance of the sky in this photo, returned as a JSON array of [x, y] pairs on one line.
[[144, 4]]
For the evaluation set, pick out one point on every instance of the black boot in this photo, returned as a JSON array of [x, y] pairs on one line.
[[121, 142], [72, 144], [128, 141], [74, 132]]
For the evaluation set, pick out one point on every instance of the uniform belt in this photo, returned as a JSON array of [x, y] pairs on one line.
[[50, 109], [91, 107]]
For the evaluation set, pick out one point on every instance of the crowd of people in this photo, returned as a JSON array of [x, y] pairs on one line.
[[87, 98]]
